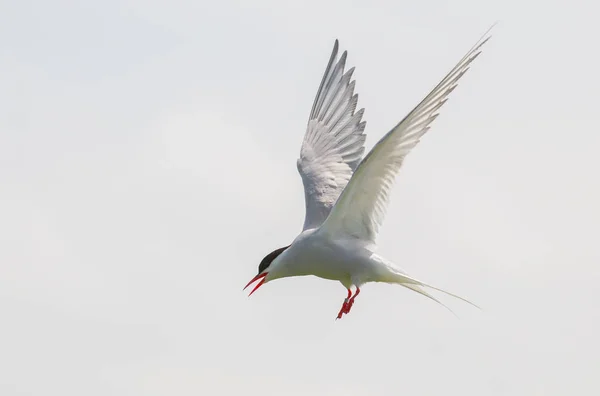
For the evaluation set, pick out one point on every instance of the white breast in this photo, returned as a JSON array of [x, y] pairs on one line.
[[313, 253]]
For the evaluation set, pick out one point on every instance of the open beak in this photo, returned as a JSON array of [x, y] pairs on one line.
[[259, 284]]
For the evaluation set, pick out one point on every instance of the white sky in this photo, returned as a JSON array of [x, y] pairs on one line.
[[147, 164]]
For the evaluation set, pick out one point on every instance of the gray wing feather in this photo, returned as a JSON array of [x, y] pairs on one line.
[[360, 209], [333, 145]]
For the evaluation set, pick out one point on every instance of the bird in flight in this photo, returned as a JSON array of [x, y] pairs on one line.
[[346, 195]]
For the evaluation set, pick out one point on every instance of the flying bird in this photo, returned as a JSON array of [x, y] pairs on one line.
[[345, 194]]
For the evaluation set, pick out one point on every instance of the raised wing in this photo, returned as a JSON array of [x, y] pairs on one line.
[[361, 207], [333, 145]]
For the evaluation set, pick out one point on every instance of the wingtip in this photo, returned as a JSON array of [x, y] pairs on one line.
[[349, 72], [335, 50], [488, 33], [344, 56]]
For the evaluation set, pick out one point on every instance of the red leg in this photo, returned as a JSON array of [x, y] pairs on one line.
[[351, 301], [344, 308]]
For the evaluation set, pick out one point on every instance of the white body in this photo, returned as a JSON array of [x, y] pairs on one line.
[[350, 261], [346, 195], [313, 252]]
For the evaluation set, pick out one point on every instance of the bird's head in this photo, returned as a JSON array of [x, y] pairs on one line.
[[264, 269]]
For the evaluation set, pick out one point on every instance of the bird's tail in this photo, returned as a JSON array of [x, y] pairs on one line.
[[396, 276]]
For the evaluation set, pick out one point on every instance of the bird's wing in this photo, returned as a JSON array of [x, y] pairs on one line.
[[333, 145], [361, 207]]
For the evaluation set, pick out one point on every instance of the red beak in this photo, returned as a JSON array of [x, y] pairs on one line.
[[259, 284]]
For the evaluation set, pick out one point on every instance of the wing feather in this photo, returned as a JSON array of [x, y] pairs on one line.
[[334, 140], [361, 207]]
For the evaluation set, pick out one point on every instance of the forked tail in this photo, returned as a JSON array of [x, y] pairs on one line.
[[396, 276]]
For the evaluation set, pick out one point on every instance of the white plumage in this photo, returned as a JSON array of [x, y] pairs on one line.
[[334, 141], [346, 196]]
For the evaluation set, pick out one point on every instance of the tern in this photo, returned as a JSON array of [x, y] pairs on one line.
[[346, 195]]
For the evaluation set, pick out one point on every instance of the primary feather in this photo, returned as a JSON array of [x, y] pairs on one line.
[[361, 207], [333, 144]]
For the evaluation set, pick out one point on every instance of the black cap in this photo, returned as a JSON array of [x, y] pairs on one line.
[[264, 264]]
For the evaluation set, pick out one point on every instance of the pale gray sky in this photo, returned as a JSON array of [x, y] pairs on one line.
[[148, 150]]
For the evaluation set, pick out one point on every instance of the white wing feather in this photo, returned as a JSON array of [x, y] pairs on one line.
[[361, 207], [333, 145]]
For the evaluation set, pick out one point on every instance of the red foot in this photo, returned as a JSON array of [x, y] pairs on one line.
[[348, 303]]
